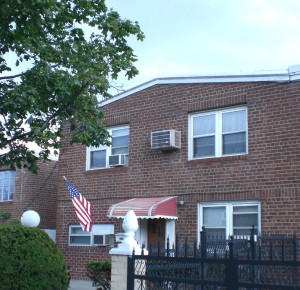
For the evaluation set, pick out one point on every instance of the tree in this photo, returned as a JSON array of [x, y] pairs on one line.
[[74, 50], [29, 259]]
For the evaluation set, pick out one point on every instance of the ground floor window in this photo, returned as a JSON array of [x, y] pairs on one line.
[[101, 235], [223, 219]]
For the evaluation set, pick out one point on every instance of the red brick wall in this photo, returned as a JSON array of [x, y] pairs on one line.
[[269, 173], [36, 192]]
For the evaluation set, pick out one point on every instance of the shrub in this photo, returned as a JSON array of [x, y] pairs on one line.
[[4, 216], [29, 259], [100, 273]]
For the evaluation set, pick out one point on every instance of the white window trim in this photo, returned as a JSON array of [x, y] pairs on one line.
[[229, 213], [218, 133], [14, 187], [106, 148], [100, 229]]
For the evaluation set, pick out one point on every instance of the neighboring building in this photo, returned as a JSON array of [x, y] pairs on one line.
[[21, 190], [216, 151]]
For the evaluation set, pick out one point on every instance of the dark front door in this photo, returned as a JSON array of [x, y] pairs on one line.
[[156, 232]]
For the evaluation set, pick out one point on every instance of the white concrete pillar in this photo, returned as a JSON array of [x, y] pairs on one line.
[[120, 254]]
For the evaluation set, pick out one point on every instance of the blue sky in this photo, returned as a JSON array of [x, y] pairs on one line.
[[196, 37]]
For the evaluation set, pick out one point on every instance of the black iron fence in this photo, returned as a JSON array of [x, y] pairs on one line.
[[244, 263]]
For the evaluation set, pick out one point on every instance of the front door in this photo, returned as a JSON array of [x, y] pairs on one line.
[[156, 232]]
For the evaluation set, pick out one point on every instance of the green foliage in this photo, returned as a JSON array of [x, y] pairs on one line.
[[69, 67], [4, 216], [29, 259], [100, 273]]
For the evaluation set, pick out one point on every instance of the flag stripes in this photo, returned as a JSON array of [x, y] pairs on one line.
[[83, 208]]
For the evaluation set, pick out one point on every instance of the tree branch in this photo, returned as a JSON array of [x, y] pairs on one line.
[[12, 77], [21, 74]]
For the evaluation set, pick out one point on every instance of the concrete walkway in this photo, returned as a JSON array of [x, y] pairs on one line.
[[81, 285]]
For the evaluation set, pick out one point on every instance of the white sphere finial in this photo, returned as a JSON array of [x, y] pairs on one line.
[[30, 218]]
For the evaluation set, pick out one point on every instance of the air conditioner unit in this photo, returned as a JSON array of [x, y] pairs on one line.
[[166, 140], [118, 160]]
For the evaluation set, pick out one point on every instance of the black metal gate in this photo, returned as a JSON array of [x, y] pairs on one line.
[[266, 263]]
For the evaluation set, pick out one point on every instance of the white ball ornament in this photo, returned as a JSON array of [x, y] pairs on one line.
[[30, 218]]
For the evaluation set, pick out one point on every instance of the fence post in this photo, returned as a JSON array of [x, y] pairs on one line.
[[252, 244], [202, 253], [295, 247], [130, 272], [176, 246], [231, 272], [203, 242]]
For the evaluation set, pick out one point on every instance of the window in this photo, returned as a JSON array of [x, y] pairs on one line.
[[101, 235], [98, 157], [7, 185], [230, 218], [218, 133]]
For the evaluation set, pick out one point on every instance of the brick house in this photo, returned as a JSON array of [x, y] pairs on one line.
[[21, 190], [216, 151]]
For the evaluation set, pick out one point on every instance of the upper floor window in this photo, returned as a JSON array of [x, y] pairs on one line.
[[218, 133], [7, 185], [98, 157], [230, 218]]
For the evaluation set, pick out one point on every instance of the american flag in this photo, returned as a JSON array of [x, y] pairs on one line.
[[83, 208]]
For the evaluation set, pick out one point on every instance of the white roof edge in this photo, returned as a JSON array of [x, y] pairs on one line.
[[286, 75]]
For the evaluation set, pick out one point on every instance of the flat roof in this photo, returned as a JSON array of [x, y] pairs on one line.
[[292, 73]]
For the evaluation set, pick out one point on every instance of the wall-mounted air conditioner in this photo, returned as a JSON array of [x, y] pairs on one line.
[[166, 140], [118, 160]]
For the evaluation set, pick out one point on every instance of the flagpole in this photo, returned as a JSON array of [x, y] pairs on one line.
[[65, 178]]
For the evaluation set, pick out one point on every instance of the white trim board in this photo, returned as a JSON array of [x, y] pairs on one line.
[[287, 75]]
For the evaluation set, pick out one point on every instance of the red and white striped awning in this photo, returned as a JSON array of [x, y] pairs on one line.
[[148, 208]]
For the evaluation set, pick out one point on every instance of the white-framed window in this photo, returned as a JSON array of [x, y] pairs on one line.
[[7, 185], [218, 133], [101, 235], [98, 157], [223, 219]]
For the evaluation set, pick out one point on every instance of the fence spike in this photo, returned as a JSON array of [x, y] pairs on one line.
[[168, 247], [195, 249], [186, 247], [158, 249], [295, 246], [176, 246]]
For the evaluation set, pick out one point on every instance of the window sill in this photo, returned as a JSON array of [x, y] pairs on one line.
[[107, 171], [223, 159], [106, 168]]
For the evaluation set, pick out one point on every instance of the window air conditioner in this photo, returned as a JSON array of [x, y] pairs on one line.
[[166, 140], [118, 160]]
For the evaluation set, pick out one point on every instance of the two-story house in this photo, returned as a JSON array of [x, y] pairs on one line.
[[217, 151]]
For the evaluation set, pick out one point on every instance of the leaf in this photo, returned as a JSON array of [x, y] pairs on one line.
[[66, 72]]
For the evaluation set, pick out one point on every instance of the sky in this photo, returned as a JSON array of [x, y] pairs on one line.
[[205, 37]]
